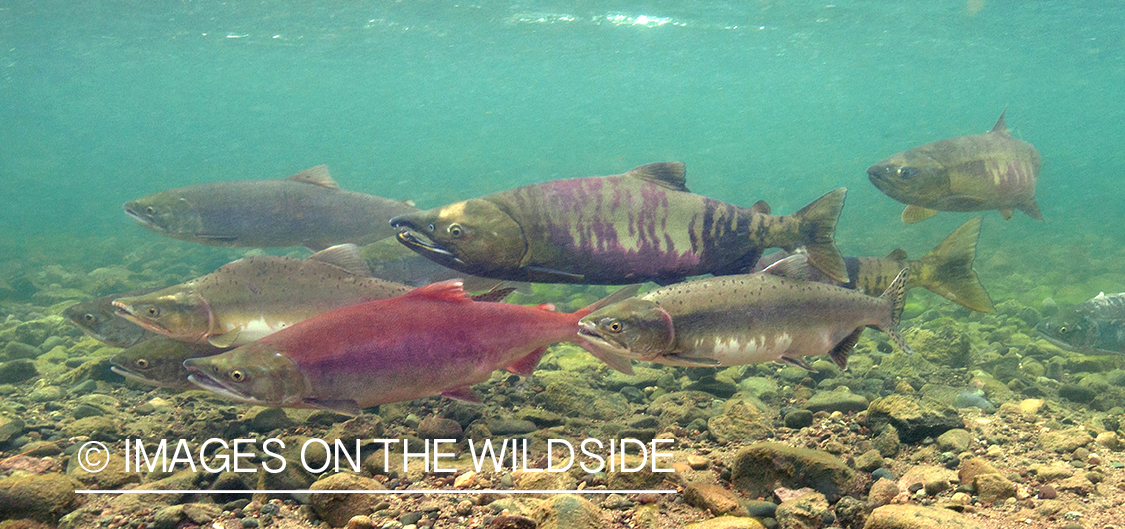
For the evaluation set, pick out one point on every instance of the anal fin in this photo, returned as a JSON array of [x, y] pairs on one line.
[[913, 214], [840, 353], [463, 394], [342, 406]]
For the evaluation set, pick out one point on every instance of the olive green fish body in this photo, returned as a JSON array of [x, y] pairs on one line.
[[96, 317], [256, 296], [307, 209], [969, 173], [160, 362], [637, 226], [743, 319], [947, 270]]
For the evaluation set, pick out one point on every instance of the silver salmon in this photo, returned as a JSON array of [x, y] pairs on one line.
[[307, 209]]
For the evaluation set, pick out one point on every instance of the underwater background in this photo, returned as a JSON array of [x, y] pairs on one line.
[[102, 102], [439, 101]]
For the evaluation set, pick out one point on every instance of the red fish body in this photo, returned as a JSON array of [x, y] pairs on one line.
[[433, 340]]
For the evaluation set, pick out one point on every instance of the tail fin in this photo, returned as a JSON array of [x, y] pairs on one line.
[[896, 293], [818, 226], [948, 269], [617, 362]]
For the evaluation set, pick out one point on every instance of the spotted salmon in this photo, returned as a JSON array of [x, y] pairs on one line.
[[744, 319], [307, 209]]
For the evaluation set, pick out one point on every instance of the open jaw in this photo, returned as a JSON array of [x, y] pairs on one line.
[[428, 249], [124, 311], [589, 332], [205, 381], [145, 221]]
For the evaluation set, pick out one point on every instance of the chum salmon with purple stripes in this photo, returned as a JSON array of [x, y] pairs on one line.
[[642, 225]]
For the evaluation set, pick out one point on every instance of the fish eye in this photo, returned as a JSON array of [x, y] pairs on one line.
[[150, 210], [456, 230], [153, 311], [142, 363], [237, 375], [1063, 329], [907, 172], [431, 227], [89, 318], [614, 326]]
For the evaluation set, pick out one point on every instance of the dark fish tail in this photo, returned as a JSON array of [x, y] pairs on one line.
[[948, 269], [817, 227], [896, 294]]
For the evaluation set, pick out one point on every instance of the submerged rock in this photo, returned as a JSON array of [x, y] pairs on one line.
[[762, 467], [337, 509], [42, 498], [568, 511], [915, 419], [917, 517]]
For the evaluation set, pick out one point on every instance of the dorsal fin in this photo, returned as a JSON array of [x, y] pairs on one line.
[[449, 290], [898, 254], [760, 207], [345, 256], [316, 176], [795, 266], [665, 174], [1000, 127]]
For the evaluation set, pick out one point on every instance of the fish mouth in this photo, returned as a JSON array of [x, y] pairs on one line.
[[589, 332], [125, 311], [208, 383], [428, 249], [143, 220]]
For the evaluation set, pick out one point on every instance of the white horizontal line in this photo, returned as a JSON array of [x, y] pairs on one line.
[[407, 491]]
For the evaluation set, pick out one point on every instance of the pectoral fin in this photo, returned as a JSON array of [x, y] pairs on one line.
[[799, 362], [344, 407], [913, 214], [526, 365], [1032, 209], [463, 394], [693, 362], [223, 341]]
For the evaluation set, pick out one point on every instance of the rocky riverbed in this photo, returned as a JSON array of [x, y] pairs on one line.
[[986, 426]]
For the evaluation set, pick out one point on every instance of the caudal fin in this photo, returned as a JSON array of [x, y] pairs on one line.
[[896, 293], [818, 227], [948, 269], [615, 361]]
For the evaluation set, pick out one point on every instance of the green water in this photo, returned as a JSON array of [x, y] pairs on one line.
[[102, 102]]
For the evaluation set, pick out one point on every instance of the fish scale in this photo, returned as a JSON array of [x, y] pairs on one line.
[[640, 225], [744, 319]]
